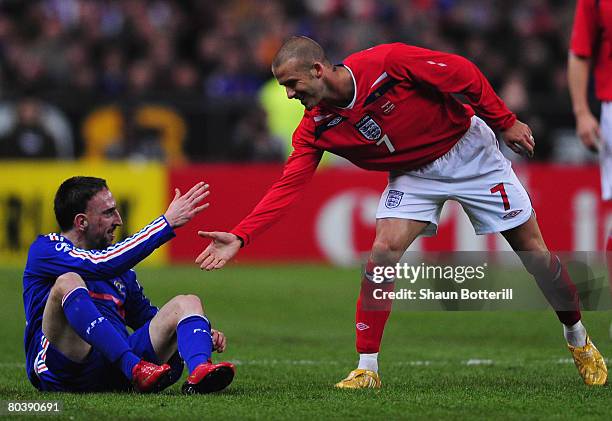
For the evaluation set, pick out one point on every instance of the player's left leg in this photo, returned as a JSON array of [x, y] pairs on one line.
[[557, 286], [181, 325], [555, 282], [483, 181]]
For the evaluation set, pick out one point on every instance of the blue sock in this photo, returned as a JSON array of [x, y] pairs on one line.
[[194, 340], [86, 320]]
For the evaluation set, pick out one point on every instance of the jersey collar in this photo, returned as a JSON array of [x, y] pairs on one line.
[[352, 104]]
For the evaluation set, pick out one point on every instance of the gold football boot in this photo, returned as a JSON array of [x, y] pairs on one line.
[[360, 379], [590, 363]]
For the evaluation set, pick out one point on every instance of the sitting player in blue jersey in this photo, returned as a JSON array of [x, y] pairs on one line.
[[80, 293]]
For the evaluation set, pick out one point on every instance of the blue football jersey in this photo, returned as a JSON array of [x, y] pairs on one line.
[[108, 274]]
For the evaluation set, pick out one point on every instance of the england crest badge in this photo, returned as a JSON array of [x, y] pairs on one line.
[[394, 198], [369, 128]]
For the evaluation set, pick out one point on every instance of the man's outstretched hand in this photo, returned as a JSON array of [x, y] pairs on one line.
[[223, 248], [183, 208]]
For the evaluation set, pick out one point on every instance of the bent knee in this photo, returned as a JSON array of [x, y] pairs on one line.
[[66, 283], [386, 252], [189, 304]]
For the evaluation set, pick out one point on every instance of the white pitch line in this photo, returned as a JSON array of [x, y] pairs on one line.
[[468, 362], [413, 363]]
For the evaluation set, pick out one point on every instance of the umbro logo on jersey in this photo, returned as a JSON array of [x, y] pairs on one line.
[[512, 214], [369, 128], [326, 126], [335, 121], [362, 326]]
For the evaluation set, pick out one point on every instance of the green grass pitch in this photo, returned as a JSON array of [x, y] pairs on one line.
[[290, 333]]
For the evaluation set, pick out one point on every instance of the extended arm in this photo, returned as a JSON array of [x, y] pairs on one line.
[[298, 171], [55, 257]]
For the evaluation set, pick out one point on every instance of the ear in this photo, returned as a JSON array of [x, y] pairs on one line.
[[317, 70], [80, 222]]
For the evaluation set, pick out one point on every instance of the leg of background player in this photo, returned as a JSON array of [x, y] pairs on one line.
[[609, 264], [605, 162], [393, 237], [554, 281]]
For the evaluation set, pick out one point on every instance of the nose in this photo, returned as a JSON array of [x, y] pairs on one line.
[[118, 220], [290, 93]]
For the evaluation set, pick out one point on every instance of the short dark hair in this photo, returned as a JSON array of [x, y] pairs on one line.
[[302, 48], [73, 196]]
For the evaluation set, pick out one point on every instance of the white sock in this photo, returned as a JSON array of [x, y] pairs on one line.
[[575, 335], [368, 362]]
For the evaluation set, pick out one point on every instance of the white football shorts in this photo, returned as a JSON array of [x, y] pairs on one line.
[[605, 150], [474, 173]]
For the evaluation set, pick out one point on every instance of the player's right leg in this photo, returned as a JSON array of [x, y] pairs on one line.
[[393, 237], [73, 325], [181, 325]]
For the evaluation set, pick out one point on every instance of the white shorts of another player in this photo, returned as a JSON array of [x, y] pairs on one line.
[[474, 173], [605, 150]]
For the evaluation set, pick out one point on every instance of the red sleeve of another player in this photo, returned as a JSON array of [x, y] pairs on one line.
[[585, 29], [298, 171], [449, 73]]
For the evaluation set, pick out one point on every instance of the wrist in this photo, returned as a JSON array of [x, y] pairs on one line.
[[582, 111], [168, 220], [239, 239]]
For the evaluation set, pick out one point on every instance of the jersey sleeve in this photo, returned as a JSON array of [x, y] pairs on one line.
[[298, 171], [54, 258], [585, 28], [452, 74], [138, 308]]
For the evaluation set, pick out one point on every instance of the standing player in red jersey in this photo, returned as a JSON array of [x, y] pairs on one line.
[[391, 108], [591, 47]]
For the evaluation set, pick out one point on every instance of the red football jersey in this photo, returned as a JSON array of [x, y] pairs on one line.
[[592, 37], [403, 116]]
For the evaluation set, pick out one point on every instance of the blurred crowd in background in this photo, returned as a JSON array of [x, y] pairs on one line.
[[190, 80]]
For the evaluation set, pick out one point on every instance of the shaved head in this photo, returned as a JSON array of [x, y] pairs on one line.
[[302, 68], [303, 50]]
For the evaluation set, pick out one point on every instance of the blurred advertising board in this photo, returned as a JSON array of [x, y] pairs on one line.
[[27, 191], [333, 221]]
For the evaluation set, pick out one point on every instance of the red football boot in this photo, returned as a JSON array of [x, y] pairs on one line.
[[149, 378], [209, 377]]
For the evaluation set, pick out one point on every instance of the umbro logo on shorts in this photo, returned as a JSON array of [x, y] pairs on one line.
[[512, 214], [394, 198], [362, 326]]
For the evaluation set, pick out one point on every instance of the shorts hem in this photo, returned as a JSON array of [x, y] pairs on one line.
[[400, 216], [431, 230]]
